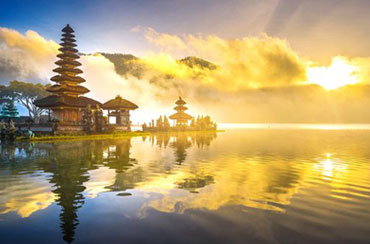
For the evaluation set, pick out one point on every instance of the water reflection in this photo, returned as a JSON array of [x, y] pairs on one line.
[[68, 167], [172, 173]]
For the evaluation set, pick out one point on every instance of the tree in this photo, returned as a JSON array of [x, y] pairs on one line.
[[166, 123], [4, 100], [193, 124], [160, 123], [25, 94]]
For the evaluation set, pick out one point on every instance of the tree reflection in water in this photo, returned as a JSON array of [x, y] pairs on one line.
[[69, 164]]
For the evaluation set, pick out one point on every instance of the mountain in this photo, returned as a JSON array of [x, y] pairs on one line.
[[192, 61], [128, 64]]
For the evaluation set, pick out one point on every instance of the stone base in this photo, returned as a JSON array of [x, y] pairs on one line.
[[69, 129], [119, 128], [51, 129]]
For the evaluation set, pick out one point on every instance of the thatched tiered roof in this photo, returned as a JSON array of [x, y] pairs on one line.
[[68, 101], [67, 70], [67, 91], [180, 114], [119, 103]]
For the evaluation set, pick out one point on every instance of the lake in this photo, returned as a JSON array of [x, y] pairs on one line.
[[244, 185]]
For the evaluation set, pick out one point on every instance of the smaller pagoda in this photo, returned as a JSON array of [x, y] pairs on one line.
[[9, 111], [180, 117], [119, 108]]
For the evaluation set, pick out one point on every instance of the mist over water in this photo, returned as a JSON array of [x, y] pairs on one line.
[[293, 126], [271, 185]]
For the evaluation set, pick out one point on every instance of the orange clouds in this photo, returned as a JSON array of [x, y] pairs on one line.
[[31, 43], [250, 62], [261, 78], [25, 57]]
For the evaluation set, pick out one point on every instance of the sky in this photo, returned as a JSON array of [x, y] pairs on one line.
[[311, 26], [279, 60]]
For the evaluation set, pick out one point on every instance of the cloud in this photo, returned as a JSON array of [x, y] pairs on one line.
[[166, 41], [251, 79], [104, 84], [256, 80], [25, 57], [250, 62]]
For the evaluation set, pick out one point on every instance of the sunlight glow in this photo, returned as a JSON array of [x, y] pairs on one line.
[[339, 73], [331, 169]]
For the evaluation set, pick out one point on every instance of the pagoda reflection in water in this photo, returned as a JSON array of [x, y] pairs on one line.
[[69, 165], [182, 141]]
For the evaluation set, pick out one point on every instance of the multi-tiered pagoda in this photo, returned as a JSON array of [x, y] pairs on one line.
[[180, 116], [67, 102]]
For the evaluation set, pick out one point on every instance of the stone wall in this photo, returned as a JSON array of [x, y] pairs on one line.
[[50, 128]]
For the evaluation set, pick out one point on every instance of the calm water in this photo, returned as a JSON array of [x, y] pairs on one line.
[[238, 186]]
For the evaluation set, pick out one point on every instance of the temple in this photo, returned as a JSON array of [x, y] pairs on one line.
[[180, 117], [69, 110], [119, 109], [181, 121], [66, 103]]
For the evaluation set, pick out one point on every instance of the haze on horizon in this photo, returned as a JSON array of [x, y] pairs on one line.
[[277, 60]]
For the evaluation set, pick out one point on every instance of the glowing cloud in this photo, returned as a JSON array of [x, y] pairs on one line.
[[339, 73], [25, 57], [250, 62], [261, 78], [24, 201]]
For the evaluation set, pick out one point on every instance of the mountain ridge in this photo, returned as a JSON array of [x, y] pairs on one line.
[[127, 64]]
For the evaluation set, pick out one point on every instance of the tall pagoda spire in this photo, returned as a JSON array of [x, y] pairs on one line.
[[66, 102], [67, 79]]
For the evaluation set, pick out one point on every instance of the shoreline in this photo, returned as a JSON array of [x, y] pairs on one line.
[[107, 136]]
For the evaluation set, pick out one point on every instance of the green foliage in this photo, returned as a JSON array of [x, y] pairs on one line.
[[2, 99], [117, 135], [25, 94], [205, 123]]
